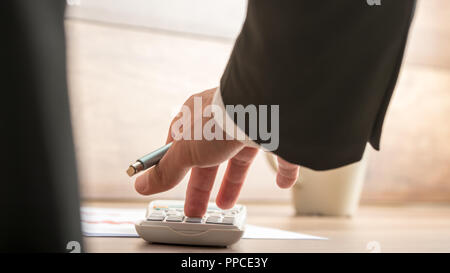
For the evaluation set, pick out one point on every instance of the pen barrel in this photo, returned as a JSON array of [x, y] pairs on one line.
[[154, 157]]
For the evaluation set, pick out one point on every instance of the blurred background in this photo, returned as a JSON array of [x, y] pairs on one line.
[[131, 65]]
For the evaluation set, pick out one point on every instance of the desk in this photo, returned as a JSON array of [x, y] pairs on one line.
[[406, 228]]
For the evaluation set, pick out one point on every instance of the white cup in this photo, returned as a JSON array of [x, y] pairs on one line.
[[332, 193]]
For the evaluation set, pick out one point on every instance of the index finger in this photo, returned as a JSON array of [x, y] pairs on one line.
[[198, 190]]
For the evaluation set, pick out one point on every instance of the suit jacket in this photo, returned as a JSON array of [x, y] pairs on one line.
[[331, 66]]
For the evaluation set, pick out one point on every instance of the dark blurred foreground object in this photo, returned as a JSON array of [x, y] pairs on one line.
[[39, 207], [331, 66]]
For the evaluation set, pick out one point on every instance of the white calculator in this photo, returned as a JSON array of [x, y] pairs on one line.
[[165, 223]]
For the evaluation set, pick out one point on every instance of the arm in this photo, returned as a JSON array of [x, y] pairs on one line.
[[330, 66]]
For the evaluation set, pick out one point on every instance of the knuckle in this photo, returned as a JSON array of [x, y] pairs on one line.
[[241, 162]]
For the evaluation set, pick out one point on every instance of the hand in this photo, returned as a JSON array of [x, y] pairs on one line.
[[204, 157]]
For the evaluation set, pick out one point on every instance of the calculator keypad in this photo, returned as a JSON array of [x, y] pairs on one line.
[[219, 217]]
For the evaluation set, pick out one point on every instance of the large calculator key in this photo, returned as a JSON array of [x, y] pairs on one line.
[[228, 220], [174, 218], [213, 220], [193, 220], [156, 217]]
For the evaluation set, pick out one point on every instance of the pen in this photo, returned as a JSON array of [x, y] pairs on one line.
[[148, 160]]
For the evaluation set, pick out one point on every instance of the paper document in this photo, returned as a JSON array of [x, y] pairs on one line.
[[112, 222]]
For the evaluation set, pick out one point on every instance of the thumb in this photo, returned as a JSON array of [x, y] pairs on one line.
[[170, 170]]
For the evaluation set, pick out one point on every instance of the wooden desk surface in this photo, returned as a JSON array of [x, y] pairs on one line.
[[406, 228]]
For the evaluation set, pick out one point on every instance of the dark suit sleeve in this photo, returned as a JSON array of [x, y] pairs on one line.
[[331, 66]]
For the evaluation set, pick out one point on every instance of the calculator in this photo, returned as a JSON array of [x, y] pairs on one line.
[[165, 222]]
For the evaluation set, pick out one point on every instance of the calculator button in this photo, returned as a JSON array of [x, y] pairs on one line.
[[213, 219], [228, 220], [173, 212], [158, 212], [174, 218], [215, 214], [153, 217], [193, 220]]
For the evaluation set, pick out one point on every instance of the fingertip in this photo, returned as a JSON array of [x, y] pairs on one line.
[[286, 182], [191, 213], [191, 210], [223, 204], [141, 185]]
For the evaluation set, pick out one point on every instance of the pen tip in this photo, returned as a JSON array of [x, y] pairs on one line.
[[131, 171]]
